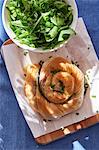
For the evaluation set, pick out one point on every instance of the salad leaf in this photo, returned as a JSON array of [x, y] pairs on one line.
[[65, 32], [40, 23], [58, 21], [53, 32], [17, 23]]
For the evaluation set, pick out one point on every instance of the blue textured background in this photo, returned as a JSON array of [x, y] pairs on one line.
[[14, 132]]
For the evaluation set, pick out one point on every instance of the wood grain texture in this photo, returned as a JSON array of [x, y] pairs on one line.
[[67, 130], [9, 41], [47, 138]]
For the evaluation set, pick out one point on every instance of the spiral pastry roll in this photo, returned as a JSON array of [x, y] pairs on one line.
[[54, 89]]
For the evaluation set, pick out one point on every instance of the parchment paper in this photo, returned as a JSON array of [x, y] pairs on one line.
[[78, 49]]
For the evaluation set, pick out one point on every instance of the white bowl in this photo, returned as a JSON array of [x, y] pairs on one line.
[[11, 34]]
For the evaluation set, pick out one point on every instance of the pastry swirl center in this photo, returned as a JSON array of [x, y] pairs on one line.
[[57, 86]]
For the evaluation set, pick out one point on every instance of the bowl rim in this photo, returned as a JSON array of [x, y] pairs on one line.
[[39, 50]]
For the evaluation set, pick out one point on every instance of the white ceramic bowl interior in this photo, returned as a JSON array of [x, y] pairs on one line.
[[11, 34]]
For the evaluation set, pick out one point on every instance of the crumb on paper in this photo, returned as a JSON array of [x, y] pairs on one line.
[[50, 57], [62, 128], [86, 85], [44, 120], [25, 53], [77, 113], [97, 111], [56, 51], [75, 63], [24, 74]]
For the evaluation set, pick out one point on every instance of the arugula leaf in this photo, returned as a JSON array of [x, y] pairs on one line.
[[53, 32], [59, 4], [65, 32], [58, 21], [17, 23]]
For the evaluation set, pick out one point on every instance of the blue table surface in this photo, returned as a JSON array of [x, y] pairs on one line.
[[14, 131]]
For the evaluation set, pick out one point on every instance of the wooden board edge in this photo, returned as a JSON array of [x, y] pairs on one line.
[[55, 135], [9, 41]]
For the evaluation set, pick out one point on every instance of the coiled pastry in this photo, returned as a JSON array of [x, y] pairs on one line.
[[54, 89]]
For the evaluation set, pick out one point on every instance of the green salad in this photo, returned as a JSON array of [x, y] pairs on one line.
[[41, 23]]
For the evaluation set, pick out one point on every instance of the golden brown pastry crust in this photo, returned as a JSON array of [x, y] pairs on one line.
[[59, 89]]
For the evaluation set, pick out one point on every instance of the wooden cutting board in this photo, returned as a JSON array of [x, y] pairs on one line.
[[47, 138]]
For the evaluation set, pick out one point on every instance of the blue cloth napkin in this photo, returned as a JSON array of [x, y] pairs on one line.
[[0, 42], [14, 132]]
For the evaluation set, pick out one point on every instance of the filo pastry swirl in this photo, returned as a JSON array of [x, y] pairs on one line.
[[54, 89]]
